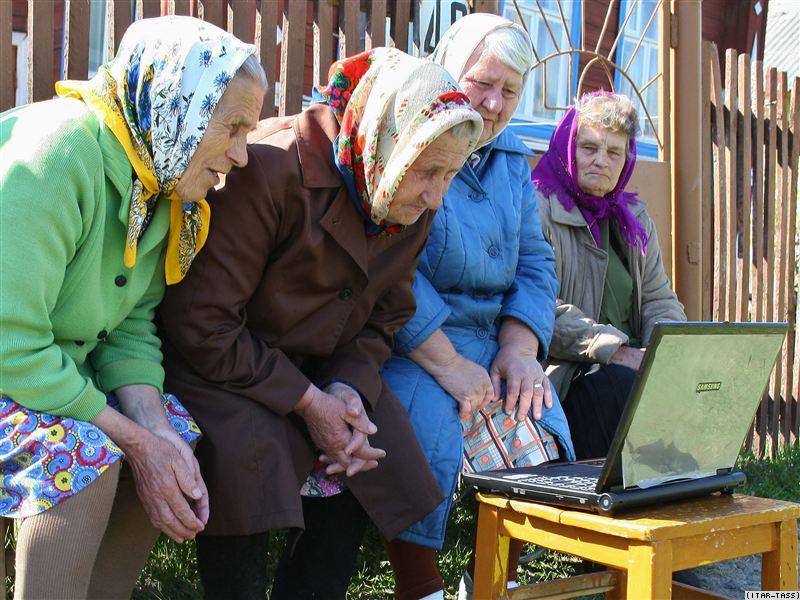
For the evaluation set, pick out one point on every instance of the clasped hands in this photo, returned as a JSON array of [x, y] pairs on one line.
[[474, 387], [339, 426]]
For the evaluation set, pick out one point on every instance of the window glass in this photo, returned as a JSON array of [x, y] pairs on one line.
[[537, 99], [645, 63]]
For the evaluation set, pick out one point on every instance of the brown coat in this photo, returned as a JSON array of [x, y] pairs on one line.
[[289, 290]]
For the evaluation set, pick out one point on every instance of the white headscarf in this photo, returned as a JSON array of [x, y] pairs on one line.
[[459, 42]]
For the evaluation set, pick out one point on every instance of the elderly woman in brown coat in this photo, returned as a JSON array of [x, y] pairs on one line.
[[277, 337]]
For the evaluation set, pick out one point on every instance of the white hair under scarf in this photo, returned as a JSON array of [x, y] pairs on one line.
[[504, 39]]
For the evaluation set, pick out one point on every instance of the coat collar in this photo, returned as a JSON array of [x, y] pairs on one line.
[[574, 217], [119, 173], [316, 129]]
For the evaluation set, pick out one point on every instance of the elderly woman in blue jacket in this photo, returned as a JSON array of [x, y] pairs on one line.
[[467, 365]]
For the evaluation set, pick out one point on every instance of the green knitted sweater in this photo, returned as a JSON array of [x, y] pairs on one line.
[[75, 324]]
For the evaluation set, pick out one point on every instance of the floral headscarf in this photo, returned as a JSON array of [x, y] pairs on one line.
[[462, 38], [390, 107], [557, 174], [157, 96]]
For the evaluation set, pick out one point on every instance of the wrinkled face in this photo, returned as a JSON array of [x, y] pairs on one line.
[[599, 158], [427, 179], [493, 89], [224, 144]]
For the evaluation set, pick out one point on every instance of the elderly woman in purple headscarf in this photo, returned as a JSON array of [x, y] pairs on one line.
[[613, 287]]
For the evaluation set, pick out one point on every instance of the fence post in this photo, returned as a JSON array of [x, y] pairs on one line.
[[686, 163]]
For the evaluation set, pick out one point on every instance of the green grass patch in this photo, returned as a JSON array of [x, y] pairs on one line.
[[171, 570]]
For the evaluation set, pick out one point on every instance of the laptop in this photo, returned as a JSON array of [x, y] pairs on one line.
[[688, 413]]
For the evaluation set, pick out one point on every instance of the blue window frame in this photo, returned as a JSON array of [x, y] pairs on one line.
[[643, 68], [532, 121]]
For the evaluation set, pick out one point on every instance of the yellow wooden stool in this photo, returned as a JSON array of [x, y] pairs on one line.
[[644, 546]]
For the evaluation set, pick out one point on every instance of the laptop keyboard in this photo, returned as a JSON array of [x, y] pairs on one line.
[[583, 484]]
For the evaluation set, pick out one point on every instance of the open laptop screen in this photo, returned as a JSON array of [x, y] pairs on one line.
[[698, 394]]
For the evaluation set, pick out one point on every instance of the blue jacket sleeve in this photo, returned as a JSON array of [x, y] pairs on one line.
[[430, 314], [532, 297]]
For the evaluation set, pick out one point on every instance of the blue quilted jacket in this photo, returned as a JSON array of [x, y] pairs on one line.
[[485, 259]]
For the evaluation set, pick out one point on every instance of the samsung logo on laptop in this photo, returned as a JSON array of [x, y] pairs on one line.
[[708, 386]]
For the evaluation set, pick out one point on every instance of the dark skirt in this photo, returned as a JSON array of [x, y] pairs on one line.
[[594, 404]]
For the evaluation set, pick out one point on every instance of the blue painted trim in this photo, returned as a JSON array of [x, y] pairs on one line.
[[575, 36]]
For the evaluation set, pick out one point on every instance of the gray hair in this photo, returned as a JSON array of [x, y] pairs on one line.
[[512, 47], [253, 70], [609, 111]]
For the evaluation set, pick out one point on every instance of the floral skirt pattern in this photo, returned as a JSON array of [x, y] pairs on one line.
[[494, 440], [45, 459]]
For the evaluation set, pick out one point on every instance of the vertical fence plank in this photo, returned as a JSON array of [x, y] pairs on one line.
[[758, 200], [244, 20], [149, 9], [348, 27], [268, 46], [794, 155], [181, 7], [743, 312], [216, 11], [292, 57], [707, 250], [7, 83], [759, 286], [720, 179], [731, 218], [376, 24], [784, 247], [744, 182], [323, 41], [40, 50], [400, 19], [771, 161], [122, 17], [76, 39]]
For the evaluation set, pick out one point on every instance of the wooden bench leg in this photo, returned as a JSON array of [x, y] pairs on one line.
[[650, 571], [779, 567], [491, 555]]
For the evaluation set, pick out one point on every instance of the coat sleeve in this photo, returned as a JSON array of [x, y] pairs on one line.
[[430, 314], [205, 315], [659, 302], [579, 338], [47, 199], [359, 361], [532, 296], [576, 336], [132, 351]]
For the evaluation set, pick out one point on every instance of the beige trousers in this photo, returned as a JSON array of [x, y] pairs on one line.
[[92, 545]]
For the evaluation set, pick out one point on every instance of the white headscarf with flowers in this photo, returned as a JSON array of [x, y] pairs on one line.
[[157, 96]]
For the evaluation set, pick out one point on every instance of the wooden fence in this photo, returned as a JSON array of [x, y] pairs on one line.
[[750, 123], [307, 28]]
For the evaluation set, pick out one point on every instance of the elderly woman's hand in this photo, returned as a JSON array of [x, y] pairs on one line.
[[468, 383], [516, 362], [526, 383], [166, 474], [329, 419]]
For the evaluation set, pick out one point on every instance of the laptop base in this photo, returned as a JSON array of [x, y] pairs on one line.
[[570, 485]]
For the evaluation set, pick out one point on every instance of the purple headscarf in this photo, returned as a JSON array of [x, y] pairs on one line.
[[556, 174]]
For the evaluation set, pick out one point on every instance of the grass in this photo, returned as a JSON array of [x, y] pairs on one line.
[[171, 571]]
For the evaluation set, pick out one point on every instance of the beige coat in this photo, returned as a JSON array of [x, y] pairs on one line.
[[581, 270]]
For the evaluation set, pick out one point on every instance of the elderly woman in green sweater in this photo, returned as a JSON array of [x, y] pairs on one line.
[[102, 203]]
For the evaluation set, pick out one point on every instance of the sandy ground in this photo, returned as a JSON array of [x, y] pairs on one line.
[[733, 577]]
